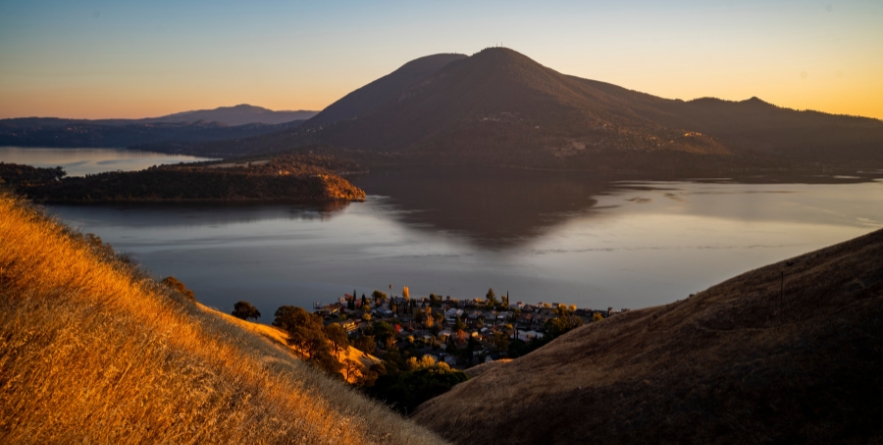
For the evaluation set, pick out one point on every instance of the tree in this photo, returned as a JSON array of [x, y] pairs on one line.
[[337, 336], [245, 310], [379, 297], [305, 330], [382, 330], [459, 325], [429, 320], [352, 370], [365, 343], [324, 360], [491, 298], [597, 316], [175, 285], [562, 324], [501, 341]]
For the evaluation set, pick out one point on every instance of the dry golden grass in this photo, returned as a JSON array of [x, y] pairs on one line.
[[354, 361], [733, 364], [91, 351]]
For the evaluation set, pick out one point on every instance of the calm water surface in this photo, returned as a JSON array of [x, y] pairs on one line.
[[541, 239], [87, 161]]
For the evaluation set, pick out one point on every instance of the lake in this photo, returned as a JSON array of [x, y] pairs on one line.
[[87, 161], [539, 237]]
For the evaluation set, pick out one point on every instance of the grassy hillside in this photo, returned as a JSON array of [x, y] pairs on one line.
[[354, 361], [92, 350], [737, 363]]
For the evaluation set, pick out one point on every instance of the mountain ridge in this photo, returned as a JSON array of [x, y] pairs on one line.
[[235, 115], [499, 104]]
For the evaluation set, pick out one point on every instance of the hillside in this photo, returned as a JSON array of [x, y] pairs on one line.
[[500, 107], [94, 351], [736, 363], [377, 93]]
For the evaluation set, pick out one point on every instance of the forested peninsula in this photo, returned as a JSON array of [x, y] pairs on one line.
[[284, 178]]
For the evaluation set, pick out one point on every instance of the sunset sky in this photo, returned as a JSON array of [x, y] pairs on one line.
[[102, 59]]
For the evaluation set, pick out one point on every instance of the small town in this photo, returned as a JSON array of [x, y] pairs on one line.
[[458, 332]]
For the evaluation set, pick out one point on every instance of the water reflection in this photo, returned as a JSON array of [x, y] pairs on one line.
[[193, 215], [490, 208], [556, 239]]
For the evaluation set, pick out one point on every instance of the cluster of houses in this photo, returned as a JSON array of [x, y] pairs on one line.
[[442, 326]]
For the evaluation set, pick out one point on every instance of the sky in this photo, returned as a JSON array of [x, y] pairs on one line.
[[127, 59]]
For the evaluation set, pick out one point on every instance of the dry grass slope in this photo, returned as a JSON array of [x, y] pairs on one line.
[[93, 351], [354, 361], [732, 364]]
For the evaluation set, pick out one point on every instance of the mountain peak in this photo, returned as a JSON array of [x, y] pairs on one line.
[[370, 97]]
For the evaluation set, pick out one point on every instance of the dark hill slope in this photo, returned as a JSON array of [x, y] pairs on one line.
[[758, 125], [375, 94], [732, 364], [499, 99]]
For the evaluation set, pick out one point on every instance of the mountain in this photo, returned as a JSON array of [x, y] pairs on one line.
[[236, 115], [224, 123], [95, 351], [50, 132], [500, 107], [788, 353], [377, 93]]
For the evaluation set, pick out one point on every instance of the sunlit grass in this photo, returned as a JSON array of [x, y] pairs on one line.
[[92, 350]]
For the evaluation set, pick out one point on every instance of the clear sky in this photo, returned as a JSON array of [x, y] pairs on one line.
[[111, 58]]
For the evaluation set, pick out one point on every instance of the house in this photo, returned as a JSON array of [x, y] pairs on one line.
[[349, 326], [384, 312]]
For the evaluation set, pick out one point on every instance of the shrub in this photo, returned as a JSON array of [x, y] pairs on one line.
[[178, 286], [245, 310]]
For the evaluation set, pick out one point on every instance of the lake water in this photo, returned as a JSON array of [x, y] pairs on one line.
[[538, 237], [87, 161]]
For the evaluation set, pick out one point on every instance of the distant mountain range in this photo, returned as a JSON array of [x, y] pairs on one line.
[[225, 123], [237, 115], [500, 107]]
